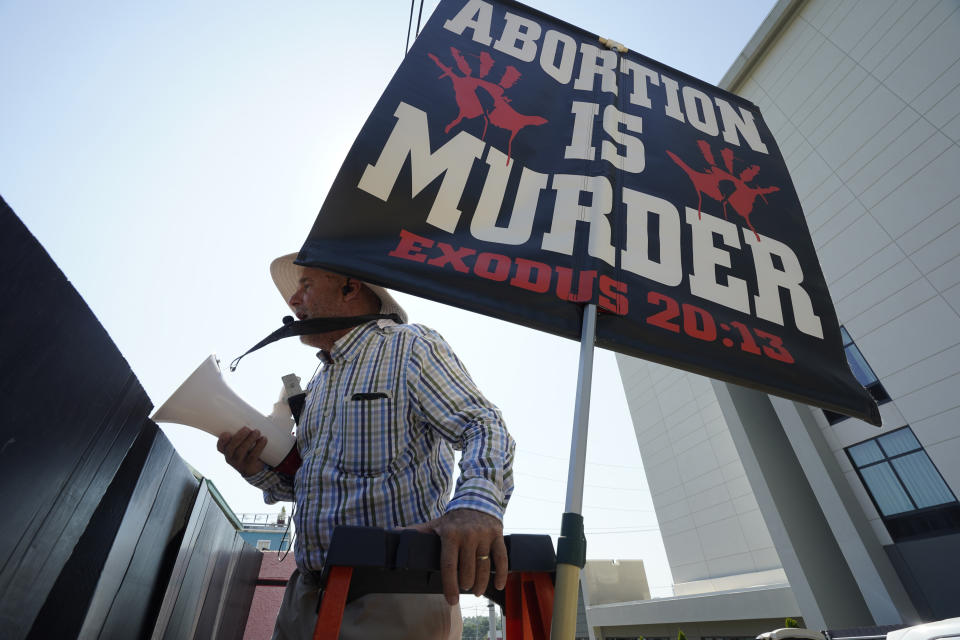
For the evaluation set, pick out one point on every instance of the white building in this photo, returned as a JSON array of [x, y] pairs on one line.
[[767, 509]]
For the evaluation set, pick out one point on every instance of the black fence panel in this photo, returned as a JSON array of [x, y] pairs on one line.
[[144, 514], [100, 511], [213, 580], [70, 408], [135, 578], [65, 607]]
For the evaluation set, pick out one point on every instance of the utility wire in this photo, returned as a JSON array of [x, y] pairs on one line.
[[409, 24], [420, 15], [599, 464], [592, 532], [593, 486], [626, 529], [523, 497]]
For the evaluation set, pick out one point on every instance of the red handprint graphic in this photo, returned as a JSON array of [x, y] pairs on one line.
[[502, 115], [709, 183]]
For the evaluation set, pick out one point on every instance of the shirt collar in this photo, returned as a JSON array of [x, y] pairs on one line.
[[349, 345]]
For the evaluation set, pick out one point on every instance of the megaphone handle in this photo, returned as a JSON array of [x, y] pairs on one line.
[[297, 403], [296, 397]]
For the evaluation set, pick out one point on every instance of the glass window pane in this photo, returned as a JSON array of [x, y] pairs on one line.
[[865, 453], [899, 441], [858, 365], [886, 489], [922, 480], [845, 336]]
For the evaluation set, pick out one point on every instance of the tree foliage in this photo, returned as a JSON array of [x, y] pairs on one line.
[[475, 628]]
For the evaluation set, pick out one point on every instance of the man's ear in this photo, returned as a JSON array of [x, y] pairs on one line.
[[351, 289]]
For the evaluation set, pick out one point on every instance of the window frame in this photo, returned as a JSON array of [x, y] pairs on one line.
[[918, 522]]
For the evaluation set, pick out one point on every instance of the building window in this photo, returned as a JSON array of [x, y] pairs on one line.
[[862, 372], [907, 490], [263, 545]]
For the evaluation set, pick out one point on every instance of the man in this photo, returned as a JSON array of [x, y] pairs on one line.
[[377, 433]]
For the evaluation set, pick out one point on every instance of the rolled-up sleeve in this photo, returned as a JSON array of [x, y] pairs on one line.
[[276, 487], [447, 399]]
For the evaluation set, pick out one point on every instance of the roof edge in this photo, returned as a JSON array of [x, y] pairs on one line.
[[222, 503], [769, 29], [757, 603]]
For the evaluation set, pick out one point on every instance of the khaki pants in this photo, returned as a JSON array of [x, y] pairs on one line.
[[386, 616]]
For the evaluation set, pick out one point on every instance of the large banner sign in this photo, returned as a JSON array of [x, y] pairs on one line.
[[518, 167]]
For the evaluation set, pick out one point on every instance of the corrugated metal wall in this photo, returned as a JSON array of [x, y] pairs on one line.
[[108, 534]]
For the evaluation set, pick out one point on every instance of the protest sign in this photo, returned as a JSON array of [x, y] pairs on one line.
[[518, 167]]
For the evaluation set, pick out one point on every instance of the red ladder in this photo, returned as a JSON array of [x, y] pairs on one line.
[[363, 560]]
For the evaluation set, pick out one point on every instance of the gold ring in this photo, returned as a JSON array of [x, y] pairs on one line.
[[483, 557]]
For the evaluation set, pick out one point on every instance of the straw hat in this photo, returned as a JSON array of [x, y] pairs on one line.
[[286, 275]]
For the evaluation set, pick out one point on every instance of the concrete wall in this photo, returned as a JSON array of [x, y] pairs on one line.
[[863, 98], [708, 515], [864, 101], [606, 581]]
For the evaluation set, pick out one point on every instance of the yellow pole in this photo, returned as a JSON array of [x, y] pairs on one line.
[[564, 623]]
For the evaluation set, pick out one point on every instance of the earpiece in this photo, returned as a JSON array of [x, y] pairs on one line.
[[347, 288]]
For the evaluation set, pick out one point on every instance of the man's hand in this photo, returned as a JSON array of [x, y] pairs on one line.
[[242, 450], [471, 542]]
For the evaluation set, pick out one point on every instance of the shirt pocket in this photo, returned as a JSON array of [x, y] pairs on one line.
[[368, 433]]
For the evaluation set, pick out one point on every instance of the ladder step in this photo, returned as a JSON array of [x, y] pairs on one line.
[[364, 560]]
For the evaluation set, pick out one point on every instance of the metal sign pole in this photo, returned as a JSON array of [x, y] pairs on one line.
[[572, 545]]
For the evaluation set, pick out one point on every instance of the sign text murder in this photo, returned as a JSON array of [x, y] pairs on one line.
[[713, 238]]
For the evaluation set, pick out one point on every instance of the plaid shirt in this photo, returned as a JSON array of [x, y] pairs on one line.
[[377, 435]]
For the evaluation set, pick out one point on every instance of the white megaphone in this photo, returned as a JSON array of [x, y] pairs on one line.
[[204, 401]]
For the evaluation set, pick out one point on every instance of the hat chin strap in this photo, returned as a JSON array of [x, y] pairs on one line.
[[293, 327]]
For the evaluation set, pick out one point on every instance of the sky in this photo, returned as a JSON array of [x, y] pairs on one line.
[[164, 153]]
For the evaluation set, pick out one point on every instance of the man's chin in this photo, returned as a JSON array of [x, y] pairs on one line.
[[310, 341]]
